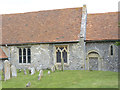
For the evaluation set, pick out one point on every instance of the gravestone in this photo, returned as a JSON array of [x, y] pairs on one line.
[[6, 70], [56, 67], [19, 70], [32, 71], [39, 68], [39, 76], [53, 69], [29, 69], [28, 84], [25, 72], [13, 71], [41, 72], [48, 72]]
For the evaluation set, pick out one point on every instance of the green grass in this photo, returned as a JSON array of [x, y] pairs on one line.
[[66, 79]]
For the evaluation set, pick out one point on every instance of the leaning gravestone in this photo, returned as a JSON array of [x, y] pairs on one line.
[[53, 69], [25, 72], [39, 68], [56, 67], [48, 72], [41, 72], [39, 76], [28, 84], [6, 70], [29, 69], [19, 70], [32, 71], [13, 71]]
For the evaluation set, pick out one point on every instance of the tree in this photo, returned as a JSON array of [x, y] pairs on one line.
[[117, 43]]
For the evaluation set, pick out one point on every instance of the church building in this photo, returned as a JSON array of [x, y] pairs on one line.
[[84, 41]]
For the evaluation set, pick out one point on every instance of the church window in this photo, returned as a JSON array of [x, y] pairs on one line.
[[111, 50], [61, 52], [24, 55]]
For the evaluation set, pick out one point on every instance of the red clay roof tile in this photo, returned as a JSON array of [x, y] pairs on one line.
[[102, 26], [2, 54], [60, 25]]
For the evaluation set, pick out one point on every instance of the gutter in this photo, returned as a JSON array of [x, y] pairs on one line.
[[40, 43], [3, 58], [88, 41]]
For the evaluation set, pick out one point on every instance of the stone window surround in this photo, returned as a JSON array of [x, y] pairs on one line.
[[55, 62], [100, 60], [22, 47]]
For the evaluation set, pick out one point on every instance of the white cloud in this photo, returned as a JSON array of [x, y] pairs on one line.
[[20, 6]]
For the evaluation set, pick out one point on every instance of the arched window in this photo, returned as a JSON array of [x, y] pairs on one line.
[[61, 52]]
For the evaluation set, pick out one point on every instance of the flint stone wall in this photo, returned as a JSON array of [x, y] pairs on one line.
[[43, 54], [109, 63]]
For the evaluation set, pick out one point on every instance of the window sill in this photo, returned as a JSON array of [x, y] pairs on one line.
[[24, 63], [65, 64]]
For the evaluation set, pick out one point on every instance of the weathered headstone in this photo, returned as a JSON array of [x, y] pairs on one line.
[[28, 84], [53, 69], [25, 72], [13, 71], [6, 70], [41, 72], [48, 72], [29, 69], [56, 67], [19, 70], [39, 76], [32, 71], [39, 68]]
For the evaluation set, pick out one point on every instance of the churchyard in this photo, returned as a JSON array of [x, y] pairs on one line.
[[32, 78]]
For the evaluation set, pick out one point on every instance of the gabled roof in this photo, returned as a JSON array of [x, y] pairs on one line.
[[102, 26], [60, 25], [2, 54]]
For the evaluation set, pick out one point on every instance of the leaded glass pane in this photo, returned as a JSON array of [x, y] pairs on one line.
[[58, 55], [24, 55], [20, 55], [64, 53], [29, 52], [61, 48], [29, 59], [111, 50]]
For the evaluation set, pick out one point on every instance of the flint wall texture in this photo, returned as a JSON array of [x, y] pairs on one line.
[[109, 62], [44, 54]]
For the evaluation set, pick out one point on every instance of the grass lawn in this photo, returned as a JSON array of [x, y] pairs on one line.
[[66, 79]]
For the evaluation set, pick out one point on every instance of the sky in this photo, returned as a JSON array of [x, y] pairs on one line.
[[22, 6]]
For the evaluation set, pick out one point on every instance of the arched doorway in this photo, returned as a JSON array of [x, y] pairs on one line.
[[93, 61]]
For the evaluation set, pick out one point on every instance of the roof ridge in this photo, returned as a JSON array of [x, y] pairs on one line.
[[41, 11]]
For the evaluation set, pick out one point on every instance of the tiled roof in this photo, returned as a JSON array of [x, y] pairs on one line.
[[60, 25], [2, 54], [102, 26]]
